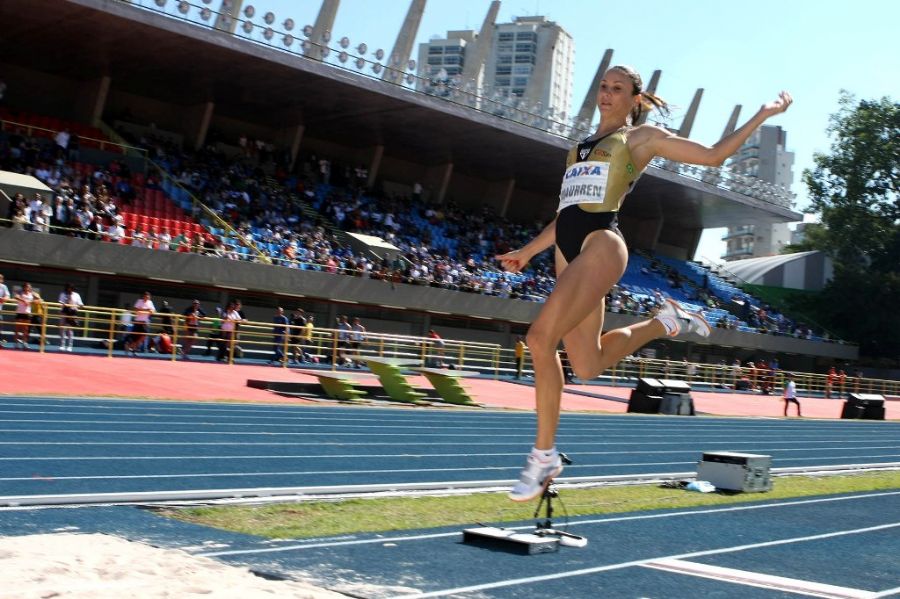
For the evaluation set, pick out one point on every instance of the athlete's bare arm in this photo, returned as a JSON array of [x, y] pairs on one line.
[[648, 141], [516, 260]]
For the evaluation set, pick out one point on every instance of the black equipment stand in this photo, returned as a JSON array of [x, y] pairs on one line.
[[544, 538], [544, 528]]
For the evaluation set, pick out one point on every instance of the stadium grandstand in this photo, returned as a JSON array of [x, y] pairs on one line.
[[339, 189]]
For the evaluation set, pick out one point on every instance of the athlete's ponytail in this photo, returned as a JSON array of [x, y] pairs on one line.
[[648, 101]]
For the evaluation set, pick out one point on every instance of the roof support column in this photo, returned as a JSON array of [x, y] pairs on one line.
[[399, 56], [506, 195], [200, 124], [688, 123], [646, 232], [586, 114], [476, 57], [296, 134], [228, 15], [321, 32], [374, 165], [445, 172], [92, 99]]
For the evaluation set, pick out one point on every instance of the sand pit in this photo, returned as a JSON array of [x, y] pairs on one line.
[[100, 566]]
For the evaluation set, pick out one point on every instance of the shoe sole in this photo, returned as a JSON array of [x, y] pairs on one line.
[[541, 489], [705, 324], [697, 315]]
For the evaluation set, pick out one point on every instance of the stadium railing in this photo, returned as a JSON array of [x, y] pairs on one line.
[[100, 330]]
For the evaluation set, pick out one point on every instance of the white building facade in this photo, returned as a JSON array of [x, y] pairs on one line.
[[530, 63], [764, 156]]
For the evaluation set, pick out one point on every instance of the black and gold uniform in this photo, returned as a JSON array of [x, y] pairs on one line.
[[599, 173]]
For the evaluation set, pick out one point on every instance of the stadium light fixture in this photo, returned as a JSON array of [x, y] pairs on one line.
[[410, 78], [326, 36], [362, 49], [379, 54], [411, 65], [268, 33], [345, 42], [343, 56], [183, 7], [247, 27], [307, 30], [360, 63], [288, 39], [161, 3], [376, 67], [249, 11], [206, 13], [288, 24], [269, 18]]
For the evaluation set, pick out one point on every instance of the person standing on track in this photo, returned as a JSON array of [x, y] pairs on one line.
[[790, 394], [591, 254]]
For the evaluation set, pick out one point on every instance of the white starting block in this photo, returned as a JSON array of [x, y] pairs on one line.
[[492, 537], [544, 538]]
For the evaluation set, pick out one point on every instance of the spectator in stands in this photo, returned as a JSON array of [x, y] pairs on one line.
[[280, 337], [592, 256], [167, 319], [520, 356], [830, 381], [308, 337], [71, 303], [231, 317], [116, 232], [842, 383], [357, 338], [343, 339], [4, 295], [298, 328], [437, 346], [25, 299], [192, 315], [140, 327], [62, 139], [790, 394]]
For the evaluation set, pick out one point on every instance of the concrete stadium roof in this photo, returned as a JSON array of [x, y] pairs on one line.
[[159, 57]]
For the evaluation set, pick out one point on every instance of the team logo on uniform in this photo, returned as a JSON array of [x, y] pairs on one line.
[[583, 152]]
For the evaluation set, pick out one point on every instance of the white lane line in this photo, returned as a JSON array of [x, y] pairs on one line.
[[372, 471], [248, 474], [642, 562], [394, 455], [757, 579], [693, 444], [887, 593], [592, 434], [610, 520], [332, 417]]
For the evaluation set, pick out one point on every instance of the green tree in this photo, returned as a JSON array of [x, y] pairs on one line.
[[856, 190]]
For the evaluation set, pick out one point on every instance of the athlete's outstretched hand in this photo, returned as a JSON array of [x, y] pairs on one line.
[[778, 106], [513, 261]]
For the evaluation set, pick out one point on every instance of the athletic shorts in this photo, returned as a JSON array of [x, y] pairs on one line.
[[573, 225]]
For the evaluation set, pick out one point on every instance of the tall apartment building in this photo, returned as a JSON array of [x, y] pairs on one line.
[[531, 59], [447, 54], [763, 155]]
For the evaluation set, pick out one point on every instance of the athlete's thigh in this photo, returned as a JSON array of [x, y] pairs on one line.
[[582, 285]]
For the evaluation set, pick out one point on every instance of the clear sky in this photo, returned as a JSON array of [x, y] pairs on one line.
[[739, 52]]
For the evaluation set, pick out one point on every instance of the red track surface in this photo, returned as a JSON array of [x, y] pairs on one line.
[[51, 374]]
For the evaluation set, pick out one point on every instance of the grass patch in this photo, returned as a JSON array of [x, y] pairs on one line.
[[339, 517]]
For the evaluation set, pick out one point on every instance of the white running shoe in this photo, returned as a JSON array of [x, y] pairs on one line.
[[682, 320], [535, 477]]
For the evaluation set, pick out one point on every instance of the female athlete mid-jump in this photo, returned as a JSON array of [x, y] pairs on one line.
[[591, 254]]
